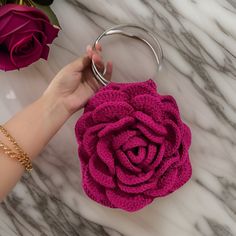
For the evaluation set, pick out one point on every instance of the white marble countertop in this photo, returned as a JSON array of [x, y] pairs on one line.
[[199, 43]]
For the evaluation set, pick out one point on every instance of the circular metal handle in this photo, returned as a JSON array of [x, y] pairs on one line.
[[119, 29]]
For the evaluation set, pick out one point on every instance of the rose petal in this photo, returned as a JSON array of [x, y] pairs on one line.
[[164, 185], [139, 188], [94, 190], [22, 22], [184, 173], [45, 52], [132, 179], [111, 111], [186, 136], [169, 101], [40, 24], [125, 162], [151, 154], [184, 146], [166, 164], [150, 123], [35, 19], [105, 154], [51, 32], [84, 122], [4, 26], [173, 137], [83, 156], [137, 159], [183, 153], [126, 201], [116, 126], [149, 105], [100, 173], [172, 114], [134, 142], [122, 138], [9, 8], [149, 134], [112, 86], [14, 25], [40, 35], [24, 60], [90, 138], [105, 96], [158, 158], [5, 62], [132, 90]]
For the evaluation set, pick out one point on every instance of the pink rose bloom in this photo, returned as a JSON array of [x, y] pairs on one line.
[[133, 146], [25, 33]]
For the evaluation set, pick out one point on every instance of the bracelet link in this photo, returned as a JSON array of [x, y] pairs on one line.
[[21, 156]]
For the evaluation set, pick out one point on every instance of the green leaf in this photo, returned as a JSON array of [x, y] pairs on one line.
[[49, 12]]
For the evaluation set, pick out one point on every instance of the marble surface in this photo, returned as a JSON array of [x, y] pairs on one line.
[[199, 43]]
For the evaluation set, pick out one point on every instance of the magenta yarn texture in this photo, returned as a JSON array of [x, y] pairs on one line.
[[133, 146]]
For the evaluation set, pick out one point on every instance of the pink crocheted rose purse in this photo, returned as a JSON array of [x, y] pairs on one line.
[[133, 146]]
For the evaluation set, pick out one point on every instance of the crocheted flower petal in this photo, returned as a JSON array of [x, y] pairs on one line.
[[158, 158], [173, 137], [134, 142], [82, 124], [151, 83], [150, 123], [112, 86], [167, 163], [94, 190], [111, 111], [139, 188], [134, 89], [127, 202], [186, 136], [149, 105], [184, 146], [183, 175], [122, 138], [100, 173], [105, 154], [105, 96], [151, 154], [172, 114], [164, 185], [149, 134], [116, 126], [131, 179], [169, 101], [125, 162], [90, 138], [137, 158], [83, 156]]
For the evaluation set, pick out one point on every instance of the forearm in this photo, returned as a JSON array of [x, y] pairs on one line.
[[32, 128]]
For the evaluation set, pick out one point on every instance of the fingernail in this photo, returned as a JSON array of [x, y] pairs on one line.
[[88, 48]]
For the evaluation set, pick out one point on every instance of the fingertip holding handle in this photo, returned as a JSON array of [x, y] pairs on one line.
[[155, 46]]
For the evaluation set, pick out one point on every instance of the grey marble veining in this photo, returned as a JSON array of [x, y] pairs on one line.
[[199, 43]]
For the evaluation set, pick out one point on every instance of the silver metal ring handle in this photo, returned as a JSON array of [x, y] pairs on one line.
[[119, 29]]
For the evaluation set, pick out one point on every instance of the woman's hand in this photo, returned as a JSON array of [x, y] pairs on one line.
[[35, 125], [75, 83]]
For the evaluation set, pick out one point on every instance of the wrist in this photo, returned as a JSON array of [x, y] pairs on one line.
[[53, 108]]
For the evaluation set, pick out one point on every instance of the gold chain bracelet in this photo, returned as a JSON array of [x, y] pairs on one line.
[[21, 156]]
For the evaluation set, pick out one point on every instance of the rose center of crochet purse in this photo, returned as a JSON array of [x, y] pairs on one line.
[[133, 145]]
